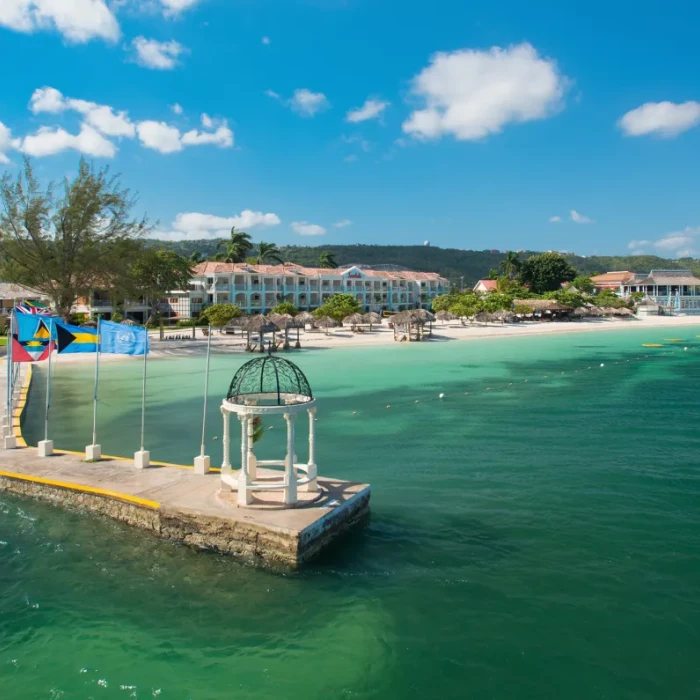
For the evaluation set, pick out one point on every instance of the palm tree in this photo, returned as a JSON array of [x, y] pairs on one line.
[[510, 265], [196, 257], [269, 252], [236, 248], [327, 259]]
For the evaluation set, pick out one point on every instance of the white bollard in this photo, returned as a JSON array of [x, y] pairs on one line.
[[202, 464], [10, 442], [93, 453], [142, 459], [45, 448]]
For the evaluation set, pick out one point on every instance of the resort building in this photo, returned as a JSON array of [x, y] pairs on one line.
[[486, 286], [13, 294], [674, 290], [259, 288]]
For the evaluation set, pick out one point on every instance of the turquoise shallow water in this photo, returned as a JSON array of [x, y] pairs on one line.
[[530, 539]]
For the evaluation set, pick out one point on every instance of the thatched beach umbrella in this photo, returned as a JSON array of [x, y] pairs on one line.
[[354, 320], [284, 322], [326, 322], [581, 312], [372, 317], [89, 324], [304, 317], [482, 317], [259, 324], [445, 316], [408, 320], [128, 322]]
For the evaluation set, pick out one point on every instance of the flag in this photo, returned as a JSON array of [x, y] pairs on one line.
[[118, 339], [33, 307], [72, 339], [32, 339]]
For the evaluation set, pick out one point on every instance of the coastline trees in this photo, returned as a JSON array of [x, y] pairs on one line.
[[156, 272], [66, 241], [545, 272], [511, 265], [219, 315], [268, 253], [338, 307]]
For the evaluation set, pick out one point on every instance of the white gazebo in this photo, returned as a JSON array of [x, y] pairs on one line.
[[268, 386]]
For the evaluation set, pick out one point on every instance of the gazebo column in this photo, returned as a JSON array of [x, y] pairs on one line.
[[312, 472], [252, 459], [244, 496], [290, 491], [226, 464]]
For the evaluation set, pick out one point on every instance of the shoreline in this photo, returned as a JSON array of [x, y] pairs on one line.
[[383, 336]]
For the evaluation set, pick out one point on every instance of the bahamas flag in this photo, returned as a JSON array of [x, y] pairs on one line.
[[123, 340], [33, 337], [72, 339]]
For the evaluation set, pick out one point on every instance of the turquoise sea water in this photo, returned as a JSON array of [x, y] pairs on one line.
[[531, 539]]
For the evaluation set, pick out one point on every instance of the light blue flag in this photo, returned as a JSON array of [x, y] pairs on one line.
[[118, 339]]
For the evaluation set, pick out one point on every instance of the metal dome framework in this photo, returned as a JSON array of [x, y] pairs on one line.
[[269, 386], [270, 381]]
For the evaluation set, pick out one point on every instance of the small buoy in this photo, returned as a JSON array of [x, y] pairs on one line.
[[466, 393], [354, 413], [545, 376], [488, 388], [510, 384], [442, 396], [215, 438], [602, 364], [525, 382], [685, 348], [416, 400], [389, 406], [272, 426]]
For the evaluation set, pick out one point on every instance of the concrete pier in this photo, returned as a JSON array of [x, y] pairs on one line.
[[173, 502]]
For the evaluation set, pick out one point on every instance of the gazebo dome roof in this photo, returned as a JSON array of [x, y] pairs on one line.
[[271, 381]]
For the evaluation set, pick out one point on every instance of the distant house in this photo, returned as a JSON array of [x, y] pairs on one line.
[[486, 286], [612, 280]]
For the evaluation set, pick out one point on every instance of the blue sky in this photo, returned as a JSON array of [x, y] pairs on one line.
[[472, 125]]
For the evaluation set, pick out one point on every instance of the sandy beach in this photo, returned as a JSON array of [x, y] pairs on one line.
[[382, 335]]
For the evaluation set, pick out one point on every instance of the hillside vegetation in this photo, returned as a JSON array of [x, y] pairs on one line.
[[449, 262]]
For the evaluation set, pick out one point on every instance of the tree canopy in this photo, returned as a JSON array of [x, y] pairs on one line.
[[338, 307], [327, 259], [219, 315], [156, 272], [285, 307], [66, 241], [546, 272], [236, 248]]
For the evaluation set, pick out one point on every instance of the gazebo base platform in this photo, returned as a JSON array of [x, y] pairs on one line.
[[274, 500], [175, 504]]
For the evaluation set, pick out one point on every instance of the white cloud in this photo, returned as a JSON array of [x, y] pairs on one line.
[[580, 218], [47, 99], [351, 158], [371, 109], [47, 142], [470, 94], [676, 244], [159, 136], [5, 143], [105, 121], [266, 40], [222, 137], [78, 21], [194, 225], [308, 103], [342, 223], [177, 109], [555, 219], [273, 94], [665, 119], [174, 7], [157, 55], [304, 228]]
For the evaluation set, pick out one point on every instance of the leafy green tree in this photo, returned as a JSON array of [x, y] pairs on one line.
[[195, 257], [65, 243], [496, 302], [563, 296], [327, 259], [155, 273], [286, 307], [510, 265], [268, 253], [338, 307], [583, 284], [545, 272], [466, 307], [219, 315], [236, 248], [493, 274]]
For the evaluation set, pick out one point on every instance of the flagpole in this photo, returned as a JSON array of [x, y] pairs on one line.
[[46, 446], [93, 451], [206, 392], [143, 394], [202, 462], [8, 397]]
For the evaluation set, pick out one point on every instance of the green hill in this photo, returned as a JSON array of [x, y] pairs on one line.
[[449, 262]]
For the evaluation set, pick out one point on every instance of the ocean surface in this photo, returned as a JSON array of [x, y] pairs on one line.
[[533, 534]]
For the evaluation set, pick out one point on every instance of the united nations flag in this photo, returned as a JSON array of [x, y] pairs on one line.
[[123, 340]]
